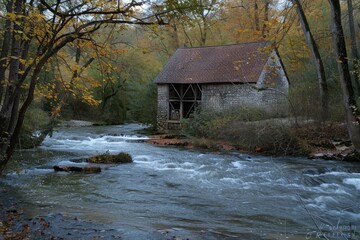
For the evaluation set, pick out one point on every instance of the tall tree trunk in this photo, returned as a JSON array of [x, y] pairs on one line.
[[13, 138], [204, 28], [349, 100], [5, 51], [15, 109], [174, 36], [21, 116], [77, 62], [256, 16], [265, 29], [324, 93], [13, 90], [354, 51]]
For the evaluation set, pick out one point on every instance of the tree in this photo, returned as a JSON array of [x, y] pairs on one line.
[[349, 98], [324, 95], [45, 28], [265, 29], [195, 17], [353, 46], [249, 20]]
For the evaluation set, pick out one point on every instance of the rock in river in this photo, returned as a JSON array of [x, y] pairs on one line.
[[85, 169], [108, 158]]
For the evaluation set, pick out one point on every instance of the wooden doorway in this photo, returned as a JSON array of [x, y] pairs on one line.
[[183, 100]]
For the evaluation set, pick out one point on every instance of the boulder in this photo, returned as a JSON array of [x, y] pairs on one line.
[[109, 158]]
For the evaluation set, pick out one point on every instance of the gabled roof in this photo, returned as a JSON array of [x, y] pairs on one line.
[[237, 63]]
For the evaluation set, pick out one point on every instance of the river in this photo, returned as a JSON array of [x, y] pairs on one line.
[[200, 195]]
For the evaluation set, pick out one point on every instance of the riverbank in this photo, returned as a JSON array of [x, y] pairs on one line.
[[328, 142], [282, 137], [16, 225]]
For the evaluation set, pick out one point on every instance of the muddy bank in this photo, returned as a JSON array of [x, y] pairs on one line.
[[183, 141]]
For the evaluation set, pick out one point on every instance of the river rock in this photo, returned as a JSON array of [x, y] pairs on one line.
[[109, 158], [326, 156], [85, 169], [354, 156]]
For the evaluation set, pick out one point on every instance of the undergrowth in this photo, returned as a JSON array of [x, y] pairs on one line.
[[249, 129]]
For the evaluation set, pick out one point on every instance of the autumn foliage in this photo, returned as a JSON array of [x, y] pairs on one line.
[[96, 59]]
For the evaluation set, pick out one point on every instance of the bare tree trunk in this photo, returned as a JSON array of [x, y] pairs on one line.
[[5, 50], [203, 28], [324, 94], [354, 51], [349, 100], [21, 116], [77, 61], [15, 109], [265, 30], [13, 90], [13, 138], [174, 36], [256, 16], [204, 33]]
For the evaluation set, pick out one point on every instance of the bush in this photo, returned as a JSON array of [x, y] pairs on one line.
[[209, 123], [250, 129], [268, 136]]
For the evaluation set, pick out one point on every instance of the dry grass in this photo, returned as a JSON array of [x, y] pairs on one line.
[[258, 132]]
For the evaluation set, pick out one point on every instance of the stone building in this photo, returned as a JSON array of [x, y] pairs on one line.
[[218, 78]]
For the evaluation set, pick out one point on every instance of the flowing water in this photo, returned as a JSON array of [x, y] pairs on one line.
[[231, 195]]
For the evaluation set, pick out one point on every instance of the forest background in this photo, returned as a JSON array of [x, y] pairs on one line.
[[105, 72]]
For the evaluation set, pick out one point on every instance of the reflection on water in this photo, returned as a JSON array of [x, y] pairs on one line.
[[171, 188]]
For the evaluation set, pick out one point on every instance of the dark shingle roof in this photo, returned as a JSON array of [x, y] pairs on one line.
[[217, 64]]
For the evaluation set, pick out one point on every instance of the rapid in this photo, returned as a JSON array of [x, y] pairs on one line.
[[225, 195]]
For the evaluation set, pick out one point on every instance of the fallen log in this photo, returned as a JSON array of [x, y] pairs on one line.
[[85, 169]]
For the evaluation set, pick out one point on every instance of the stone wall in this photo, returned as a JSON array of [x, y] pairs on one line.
[[274, 85], [162, 106], [225, 96], [269, 93]]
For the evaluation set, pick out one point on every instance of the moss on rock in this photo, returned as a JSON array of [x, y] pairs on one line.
[[109, 158]]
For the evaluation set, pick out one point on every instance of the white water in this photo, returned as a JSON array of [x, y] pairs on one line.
[[172, 188]]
